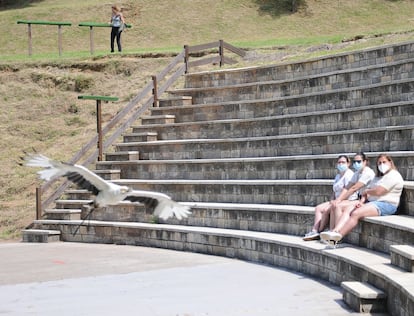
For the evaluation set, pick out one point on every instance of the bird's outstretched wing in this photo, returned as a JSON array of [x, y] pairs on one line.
[[106, 192], [78, 174], [164, 206]]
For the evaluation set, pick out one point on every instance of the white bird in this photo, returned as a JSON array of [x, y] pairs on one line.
[[106, 193]]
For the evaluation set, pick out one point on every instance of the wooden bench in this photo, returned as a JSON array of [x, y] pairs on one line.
[[403, 256], [363, 297]]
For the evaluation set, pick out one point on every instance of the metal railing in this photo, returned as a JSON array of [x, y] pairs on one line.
[[146, 98]]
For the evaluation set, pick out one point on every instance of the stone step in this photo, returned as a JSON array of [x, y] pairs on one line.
[[393, 138], [140, 136], [364, 298], [273, 218], [291, 192], [391, 114], [284, 71], [179, 101], [277, 89], [157, 119], [108, 174], [356, 77], [40, 235], [63, 214], [77, 194], [71, 204], [403, 256], [288, 192], [281, 167], [121, 156], [398, 91], [311, 258]]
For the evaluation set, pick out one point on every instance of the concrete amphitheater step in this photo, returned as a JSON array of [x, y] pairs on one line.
[[290, 70], [326, 81], [313, 258], [279, 167], [390, 138], [390, 114], [388, 92]]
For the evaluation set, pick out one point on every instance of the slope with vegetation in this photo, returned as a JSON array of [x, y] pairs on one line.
[[39, 105]]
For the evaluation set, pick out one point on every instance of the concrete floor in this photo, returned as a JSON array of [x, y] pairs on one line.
[[95, 279]]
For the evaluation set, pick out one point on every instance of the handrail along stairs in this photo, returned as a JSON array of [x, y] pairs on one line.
[[130, 113]]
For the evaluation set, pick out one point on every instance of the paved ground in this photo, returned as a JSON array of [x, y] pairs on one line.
[[95, 279]]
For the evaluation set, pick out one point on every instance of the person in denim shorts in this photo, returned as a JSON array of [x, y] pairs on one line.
[[381, 198]]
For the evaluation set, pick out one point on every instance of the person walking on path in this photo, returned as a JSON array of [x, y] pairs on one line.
[[118, 24]]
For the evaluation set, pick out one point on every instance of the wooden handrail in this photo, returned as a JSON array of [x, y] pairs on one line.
[[29, 31], [95, 24], [132, 111], [99, 99], [91, 25], [43, 22]]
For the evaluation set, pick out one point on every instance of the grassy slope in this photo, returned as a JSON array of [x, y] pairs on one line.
[[38, 98], [172, 23]]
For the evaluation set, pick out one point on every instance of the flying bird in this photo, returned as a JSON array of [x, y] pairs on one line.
[[106, 193]]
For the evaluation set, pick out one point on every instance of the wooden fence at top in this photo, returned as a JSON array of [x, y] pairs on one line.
[[146, 98]]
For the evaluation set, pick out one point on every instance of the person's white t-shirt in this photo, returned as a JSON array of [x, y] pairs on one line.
[[364, 176], [341, 181], [393, 182]]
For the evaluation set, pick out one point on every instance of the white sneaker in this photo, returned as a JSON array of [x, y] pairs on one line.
[[331, 238], [335, 236], [312, 235], [326, 236]]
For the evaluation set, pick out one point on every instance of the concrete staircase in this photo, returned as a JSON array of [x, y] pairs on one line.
[[252, 151]]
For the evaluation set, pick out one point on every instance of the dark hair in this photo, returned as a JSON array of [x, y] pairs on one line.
[[344, 156], [364, 157]]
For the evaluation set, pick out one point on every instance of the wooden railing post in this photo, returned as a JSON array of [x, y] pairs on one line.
[[59, 24], [91, 25], [29, 32], [99, 99], [91, 39], [60, 39], [99, 128], [186, 56], [221, 52], [155, 91], [38, 203]]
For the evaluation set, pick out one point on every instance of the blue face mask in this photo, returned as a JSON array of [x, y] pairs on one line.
[[341, 167], [357, 166]]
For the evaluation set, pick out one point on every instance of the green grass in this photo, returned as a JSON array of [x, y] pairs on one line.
[[38, 94], [169, 24]]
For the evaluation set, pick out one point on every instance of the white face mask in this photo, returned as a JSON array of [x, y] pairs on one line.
[[341, 167], [357, 166], [383, 168]]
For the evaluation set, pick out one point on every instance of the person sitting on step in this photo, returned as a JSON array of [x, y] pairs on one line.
[[323, 210], [380, 198], [361, 179]]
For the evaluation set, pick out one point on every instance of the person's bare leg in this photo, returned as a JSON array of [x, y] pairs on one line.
[[325, 218], [361, 212], [320, 210], [342, 213]]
